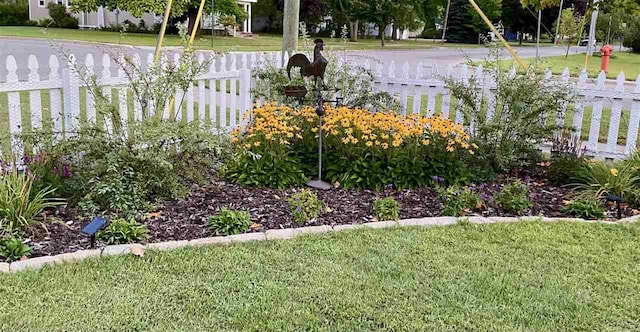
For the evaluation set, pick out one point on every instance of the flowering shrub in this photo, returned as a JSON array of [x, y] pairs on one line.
[[362, 149], [514, 197], [458, 202]]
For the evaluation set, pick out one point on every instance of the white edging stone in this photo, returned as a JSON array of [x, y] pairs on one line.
[[339, 228], [629, 219], [280, 234], [120, 249], [207, 241], [478, 220], [34, 263], [426, 222], [312, 230], [4, 267], [169, 245], [504, 219], [80, 255], [381, 224], [246, 237]]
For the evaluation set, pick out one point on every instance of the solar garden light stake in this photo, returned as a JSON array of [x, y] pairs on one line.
[[96, 224]]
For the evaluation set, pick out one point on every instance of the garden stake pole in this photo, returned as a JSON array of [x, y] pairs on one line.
[[163, 29], [196, 23], [497, 33]]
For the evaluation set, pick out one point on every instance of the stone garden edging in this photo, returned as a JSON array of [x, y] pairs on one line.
[[272, 234]]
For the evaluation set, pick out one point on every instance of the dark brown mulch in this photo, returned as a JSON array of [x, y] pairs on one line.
[[187, 218]]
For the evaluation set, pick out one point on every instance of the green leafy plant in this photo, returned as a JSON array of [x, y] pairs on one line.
[[305, 206], [19, 203], [121, 231], [513, 198], [13, 249], [585, 208], [230, 222], [386, 209], [458, 201]]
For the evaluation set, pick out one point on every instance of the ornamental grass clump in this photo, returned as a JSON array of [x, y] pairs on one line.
[[598, 179], [305, 206], [20, 203], [362, 149]]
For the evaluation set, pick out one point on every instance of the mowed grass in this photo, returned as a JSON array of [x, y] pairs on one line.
[[626, 62], [501, 277], [261, 42]]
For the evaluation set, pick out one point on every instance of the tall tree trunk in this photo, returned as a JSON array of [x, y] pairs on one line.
[[381, 32], [354, 31], [192, 12], [521, 35], [568, 46]]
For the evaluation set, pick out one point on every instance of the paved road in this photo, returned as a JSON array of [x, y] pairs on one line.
[[42, 49]]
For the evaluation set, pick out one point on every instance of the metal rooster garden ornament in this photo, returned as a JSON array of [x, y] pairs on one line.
[[315, 69]]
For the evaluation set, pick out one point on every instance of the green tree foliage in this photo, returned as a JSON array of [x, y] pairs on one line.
[[460, 26], [180, 8], [570, 25], [632, 36], [516, 18]]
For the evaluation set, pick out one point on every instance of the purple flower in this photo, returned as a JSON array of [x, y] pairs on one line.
[[66, 171], [441, 179], [26, 159], [55, 170], [298, 209]]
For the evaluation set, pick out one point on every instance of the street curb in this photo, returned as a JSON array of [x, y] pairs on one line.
[[274, 234]]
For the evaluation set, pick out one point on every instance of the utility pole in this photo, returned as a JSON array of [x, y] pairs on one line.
[[446, 21], [592, 32], [559, 20], [290, 24], [213, 23], [538, 35]]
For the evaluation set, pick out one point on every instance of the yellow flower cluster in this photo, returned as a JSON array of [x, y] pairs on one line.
[[387, 129], [281, 125]]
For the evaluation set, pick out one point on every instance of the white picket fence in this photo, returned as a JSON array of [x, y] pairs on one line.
[[619, 101]]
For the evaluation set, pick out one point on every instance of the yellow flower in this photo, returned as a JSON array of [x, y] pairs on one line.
[[425, 142], [385, 146], [234, 139], [256, 144], [450, 148], [369, 143], [345, 140], [354, 140], [614, 172], [248, 146]]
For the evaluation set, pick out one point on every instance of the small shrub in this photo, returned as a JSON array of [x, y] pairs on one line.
[[585, 208], [13, 249], [14, 13], [20, 204], [122, 231], [386, 209], [305, 206], [230, 222], [458, 202], [69, 22], [513, 198], [31, 23]]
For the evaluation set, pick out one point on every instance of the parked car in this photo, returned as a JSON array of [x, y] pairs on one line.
[[585, 42]]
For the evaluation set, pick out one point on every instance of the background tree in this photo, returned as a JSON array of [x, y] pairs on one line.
[[460, 27], [180, 8], [632, 35], [517, 18], [570, 25]]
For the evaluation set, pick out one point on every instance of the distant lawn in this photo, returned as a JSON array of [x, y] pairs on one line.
[[627, 62], [262, 42], [503, 277]]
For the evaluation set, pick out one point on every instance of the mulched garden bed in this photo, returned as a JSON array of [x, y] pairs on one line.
[[187, 218]]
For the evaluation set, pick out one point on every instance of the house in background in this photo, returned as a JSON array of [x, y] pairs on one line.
[[104, 18]]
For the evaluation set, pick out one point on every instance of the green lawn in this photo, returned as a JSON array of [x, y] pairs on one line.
[[627, 62], [501, 277], [261, 42]]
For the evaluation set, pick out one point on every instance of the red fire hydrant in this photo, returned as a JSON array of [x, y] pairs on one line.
[[605, 51]]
